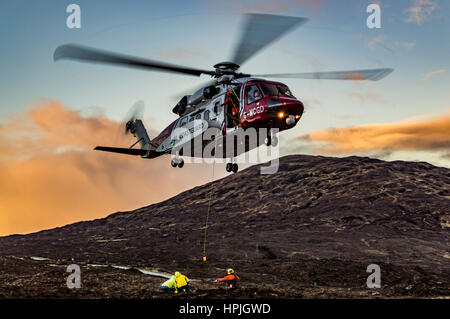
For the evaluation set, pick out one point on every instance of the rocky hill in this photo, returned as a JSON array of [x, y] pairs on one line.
[[321, 220]]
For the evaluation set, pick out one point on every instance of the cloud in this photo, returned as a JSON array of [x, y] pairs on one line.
[[387, 43], [353, 76], [405, 45], [427, 135], [366, 96], [433, 73], [420, 11], [50, 176], [372, 43]]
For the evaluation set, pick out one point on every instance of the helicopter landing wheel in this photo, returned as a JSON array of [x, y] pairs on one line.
[[177, 162], [274, 141], [268, 140], [271, 141], [234, 168], [229, 167]]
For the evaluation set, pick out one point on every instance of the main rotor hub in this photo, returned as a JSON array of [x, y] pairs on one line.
[[225, 67]]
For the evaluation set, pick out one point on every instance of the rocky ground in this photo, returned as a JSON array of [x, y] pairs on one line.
[[308, 231], [25, 278]]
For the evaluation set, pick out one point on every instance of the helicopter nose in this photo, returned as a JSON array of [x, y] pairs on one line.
[[294, 108], [301, 109]]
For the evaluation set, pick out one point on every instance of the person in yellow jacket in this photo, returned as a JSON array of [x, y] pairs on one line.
[[169, 285], [182, 282], [177, 282]]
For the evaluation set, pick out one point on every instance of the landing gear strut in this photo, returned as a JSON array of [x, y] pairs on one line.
[[177, 162], [232, 167], [271, 139]]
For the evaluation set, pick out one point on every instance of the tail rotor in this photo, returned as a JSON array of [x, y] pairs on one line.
[[136, 112]]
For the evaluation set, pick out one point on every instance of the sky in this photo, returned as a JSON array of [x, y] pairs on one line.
[[52, 114]]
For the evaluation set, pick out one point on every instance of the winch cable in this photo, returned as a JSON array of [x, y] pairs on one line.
[[211, 189], [212, 185]]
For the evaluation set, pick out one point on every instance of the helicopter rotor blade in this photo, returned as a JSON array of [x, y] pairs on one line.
[[86, 54], [259, 31], [135, 112], [356, 75]]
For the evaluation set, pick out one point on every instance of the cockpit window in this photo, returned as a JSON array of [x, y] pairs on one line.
[[284, 90], [183, 121], [275, 90], [253, 94]]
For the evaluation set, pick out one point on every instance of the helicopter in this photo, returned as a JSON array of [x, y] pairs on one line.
[[232, 100]]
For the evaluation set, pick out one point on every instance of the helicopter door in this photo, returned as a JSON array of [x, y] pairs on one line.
[[232, 110]]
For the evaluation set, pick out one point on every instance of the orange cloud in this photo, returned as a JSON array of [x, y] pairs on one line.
[[366, 96], [50, 176], [433, 73], [354, 76], [433, 134], [421, 11]]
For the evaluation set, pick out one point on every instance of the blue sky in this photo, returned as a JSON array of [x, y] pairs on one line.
[[202, 33]]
